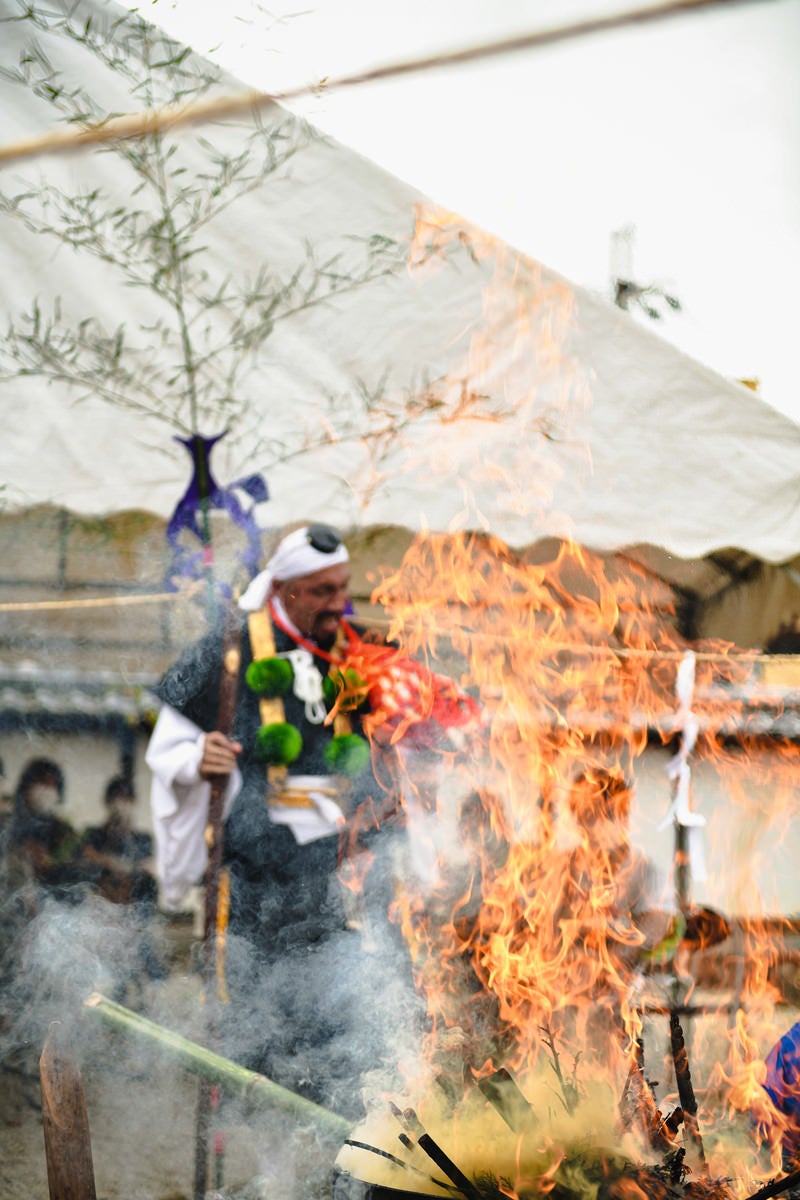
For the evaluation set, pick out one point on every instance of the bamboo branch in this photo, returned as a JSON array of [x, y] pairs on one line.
[[569, 1093], [258, 1092]]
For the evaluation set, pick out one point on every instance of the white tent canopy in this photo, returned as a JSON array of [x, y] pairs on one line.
[[471, 388]]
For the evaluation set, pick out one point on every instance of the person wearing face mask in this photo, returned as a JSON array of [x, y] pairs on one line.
[[38, 855], [117, 859], [116, 846], [42, 840]]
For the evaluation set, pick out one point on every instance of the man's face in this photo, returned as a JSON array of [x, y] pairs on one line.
[[315, 603]]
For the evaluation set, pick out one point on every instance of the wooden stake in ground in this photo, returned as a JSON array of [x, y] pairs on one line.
[[67, 1142]]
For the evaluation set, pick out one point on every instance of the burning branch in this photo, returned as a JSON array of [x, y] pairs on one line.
[[398, 1162], [637, 1101], [569, 1089], [683, 1077]]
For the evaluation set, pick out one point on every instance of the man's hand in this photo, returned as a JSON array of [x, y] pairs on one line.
[[219, 755]]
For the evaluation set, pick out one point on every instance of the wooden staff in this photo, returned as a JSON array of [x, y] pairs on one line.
[[208, 1094], [67, 1141], [229, 678]]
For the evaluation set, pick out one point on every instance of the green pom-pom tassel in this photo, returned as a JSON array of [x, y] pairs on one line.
[[348, 682], [279, 743], [270, 677], [348, 754], [329, 690]]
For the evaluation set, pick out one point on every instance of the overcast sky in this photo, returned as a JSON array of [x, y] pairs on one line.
[[685, 131]]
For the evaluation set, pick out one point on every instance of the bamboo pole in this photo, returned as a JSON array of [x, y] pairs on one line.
[[256, 1091], [248, 101], [67, 1141]]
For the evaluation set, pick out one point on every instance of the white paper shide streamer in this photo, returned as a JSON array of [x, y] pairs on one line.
[[680, 773]]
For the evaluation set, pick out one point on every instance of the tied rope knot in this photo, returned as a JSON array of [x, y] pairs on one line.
[[308, 684]]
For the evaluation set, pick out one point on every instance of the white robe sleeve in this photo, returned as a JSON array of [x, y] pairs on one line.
[[179, 801]]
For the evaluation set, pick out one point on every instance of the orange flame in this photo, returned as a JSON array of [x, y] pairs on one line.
[[542, 940], [533, 942]]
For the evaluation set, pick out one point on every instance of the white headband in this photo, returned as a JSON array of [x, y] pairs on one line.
[[294, 556]]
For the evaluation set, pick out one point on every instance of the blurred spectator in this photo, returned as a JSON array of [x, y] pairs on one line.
[[119, 858], [39, 854], [122, 854], [57, 885], [44, 847]]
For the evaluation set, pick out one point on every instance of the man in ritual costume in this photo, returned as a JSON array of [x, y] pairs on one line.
[[309, 802]]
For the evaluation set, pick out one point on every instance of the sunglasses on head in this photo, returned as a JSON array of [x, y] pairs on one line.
[[323, 538]]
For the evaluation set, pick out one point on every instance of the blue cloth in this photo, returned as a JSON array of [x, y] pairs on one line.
[[782, 1085], [188, 518]]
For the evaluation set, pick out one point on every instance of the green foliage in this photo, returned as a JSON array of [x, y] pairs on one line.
[[569, 1090], [279, 743], [270, 677], [347, 754], [187, 365], [155, 225]]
